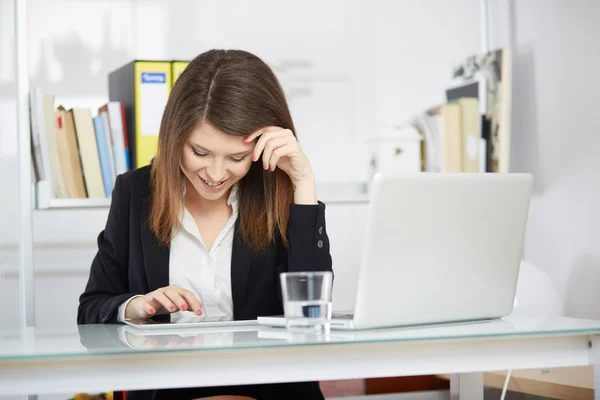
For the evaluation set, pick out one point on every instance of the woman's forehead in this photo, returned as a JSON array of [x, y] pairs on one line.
[[216, 141]]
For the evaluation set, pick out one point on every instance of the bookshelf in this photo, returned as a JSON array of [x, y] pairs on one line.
[[32, 196], [42, 201]]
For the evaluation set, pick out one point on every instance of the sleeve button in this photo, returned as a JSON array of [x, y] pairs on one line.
[[320, 244]]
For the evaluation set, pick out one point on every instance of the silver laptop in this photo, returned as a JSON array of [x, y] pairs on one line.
[[439, 248]]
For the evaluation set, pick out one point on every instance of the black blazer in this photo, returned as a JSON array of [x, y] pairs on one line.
[[130, 261]]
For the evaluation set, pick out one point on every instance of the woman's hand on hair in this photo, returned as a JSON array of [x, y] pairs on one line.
[[280, 149], [166, 300]]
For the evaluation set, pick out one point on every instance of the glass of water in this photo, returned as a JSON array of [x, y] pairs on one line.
[[307, 300]]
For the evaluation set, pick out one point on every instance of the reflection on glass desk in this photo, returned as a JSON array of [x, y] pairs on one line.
[[119, 339]]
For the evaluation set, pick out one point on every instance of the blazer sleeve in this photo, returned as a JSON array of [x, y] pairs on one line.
[[308, 241], [108, 283]]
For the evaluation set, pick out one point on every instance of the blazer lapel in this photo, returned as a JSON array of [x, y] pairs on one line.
[[156, 255], [241, 260]]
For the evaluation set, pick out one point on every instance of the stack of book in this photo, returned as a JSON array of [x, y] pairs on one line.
[[471, 131], [74, 154], [77, 153]]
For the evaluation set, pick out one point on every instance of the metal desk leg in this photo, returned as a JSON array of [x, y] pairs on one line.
[[466, 386], [595, 362], [597, 381]]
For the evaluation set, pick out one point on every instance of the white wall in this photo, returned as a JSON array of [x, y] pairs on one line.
[[416, 44], [556, 136]]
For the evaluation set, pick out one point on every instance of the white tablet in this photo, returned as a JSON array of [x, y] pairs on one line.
[[196, 322]]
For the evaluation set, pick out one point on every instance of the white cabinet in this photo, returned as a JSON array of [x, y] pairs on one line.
[[396, 149]]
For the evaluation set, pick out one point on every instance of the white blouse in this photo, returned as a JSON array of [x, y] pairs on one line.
[[207, 274]]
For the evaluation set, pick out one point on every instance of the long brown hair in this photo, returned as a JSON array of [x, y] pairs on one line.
[[237, 93]]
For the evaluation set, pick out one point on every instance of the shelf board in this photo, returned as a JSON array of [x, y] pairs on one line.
[[76, 204], [328, 193]]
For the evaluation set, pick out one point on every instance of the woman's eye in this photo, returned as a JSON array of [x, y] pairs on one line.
[[238, 159], [198, 153]]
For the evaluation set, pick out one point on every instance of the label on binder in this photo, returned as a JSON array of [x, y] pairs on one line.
[[154, 77], [153, 98]]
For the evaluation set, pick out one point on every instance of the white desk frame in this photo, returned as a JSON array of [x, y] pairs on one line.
[[469, 358]]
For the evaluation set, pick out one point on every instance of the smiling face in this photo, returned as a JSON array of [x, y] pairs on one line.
[[213, 161]]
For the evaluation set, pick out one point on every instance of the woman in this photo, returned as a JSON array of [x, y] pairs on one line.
[[228, 203]]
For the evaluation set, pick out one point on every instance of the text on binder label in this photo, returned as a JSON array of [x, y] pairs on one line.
[[154, 77]]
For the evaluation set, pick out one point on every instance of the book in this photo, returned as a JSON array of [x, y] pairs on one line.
[[109, 145], [115, 112], [495, 69], [177, 68], [476, 88], [88, 152], [59, 189], [104, 155], [452, 152], [442, 132], [143, 87], [39, 145], [69, 154], [470, 119]]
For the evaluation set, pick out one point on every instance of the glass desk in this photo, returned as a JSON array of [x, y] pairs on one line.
[[120, 357]]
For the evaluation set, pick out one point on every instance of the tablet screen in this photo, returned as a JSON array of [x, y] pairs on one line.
[[191, 320]]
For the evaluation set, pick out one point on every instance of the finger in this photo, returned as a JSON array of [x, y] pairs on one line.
[[176, 298], [262, 142], [194, 305], [164, 301], [264, 139], [272, 145], [282, 151], [254, 135], [146, 308], [259, 132], [156, 305]]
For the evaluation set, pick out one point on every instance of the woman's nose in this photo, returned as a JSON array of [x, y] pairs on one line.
[[215, 171]]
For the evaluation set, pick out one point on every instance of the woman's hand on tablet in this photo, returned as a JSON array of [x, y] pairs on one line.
[[165, 300]]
